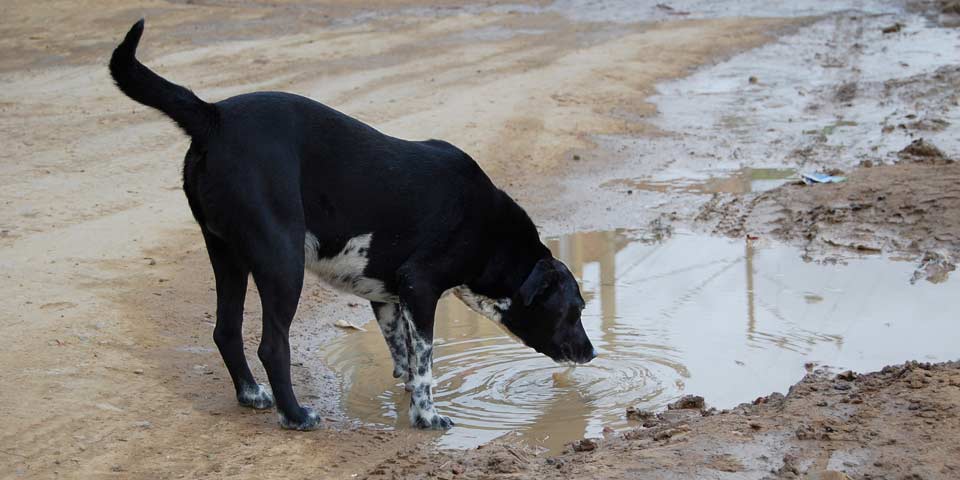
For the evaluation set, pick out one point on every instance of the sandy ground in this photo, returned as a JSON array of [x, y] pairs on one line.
[[107, 308]]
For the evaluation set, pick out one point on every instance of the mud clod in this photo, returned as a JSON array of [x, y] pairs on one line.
[[634, 413], [934, 267], [585, 445], [896, 27], [922, 151], [688, 402], [846, 92], [847, 376]]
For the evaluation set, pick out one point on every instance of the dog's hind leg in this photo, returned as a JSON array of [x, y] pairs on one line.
[[277, 262], [247, 194], [231, 277], [394, 332]]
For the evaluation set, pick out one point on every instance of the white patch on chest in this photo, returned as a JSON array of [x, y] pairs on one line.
[[491, 308], [344, 271]]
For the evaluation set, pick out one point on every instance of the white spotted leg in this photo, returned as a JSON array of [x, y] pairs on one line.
[[417, 308], [394, 330], [423, 413]]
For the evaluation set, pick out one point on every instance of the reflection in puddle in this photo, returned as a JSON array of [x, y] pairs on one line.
[[721, 318], [745, 180]]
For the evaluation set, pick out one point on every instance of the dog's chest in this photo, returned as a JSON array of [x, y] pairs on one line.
[[345, 270]]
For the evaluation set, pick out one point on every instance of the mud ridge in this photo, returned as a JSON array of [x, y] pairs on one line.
[[911, 209]]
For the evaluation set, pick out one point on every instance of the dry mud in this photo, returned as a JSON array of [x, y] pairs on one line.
[[108, 363]]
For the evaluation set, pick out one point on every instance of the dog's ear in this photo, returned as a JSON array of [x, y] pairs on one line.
[[543, 275]]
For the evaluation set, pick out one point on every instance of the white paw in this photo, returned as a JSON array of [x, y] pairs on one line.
[[255, 397], [428, 417], [308, 420]]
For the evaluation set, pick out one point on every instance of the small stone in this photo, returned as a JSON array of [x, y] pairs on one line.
[[753, 80], [896, 27], [634, 413], [457, 469], [694, 402], [585, 445], [848, 376]]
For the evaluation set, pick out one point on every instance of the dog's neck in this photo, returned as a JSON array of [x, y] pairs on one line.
[[515, 251]]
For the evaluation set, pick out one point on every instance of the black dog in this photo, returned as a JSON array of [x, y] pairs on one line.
[[280, 183]]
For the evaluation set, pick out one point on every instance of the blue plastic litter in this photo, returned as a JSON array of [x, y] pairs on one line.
[[812, 178]]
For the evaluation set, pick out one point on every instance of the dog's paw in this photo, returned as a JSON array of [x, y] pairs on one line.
[[307, 420], [403, 376], [431, 421], [256, 397]]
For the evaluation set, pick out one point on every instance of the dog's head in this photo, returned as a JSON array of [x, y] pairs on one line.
[[545, 314]]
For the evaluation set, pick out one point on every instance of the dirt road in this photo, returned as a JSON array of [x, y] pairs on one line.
[[108, 304]]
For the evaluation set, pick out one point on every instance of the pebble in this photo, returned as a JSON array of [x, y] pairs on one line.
[[585, 445], [694, 402]]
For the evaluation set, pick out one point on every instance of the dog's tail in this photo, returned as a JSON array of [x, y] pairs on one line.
[[196, 117]]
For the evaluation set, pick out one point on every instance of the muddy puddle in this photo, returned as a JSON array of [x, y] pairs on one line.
[[727, 319], [744, 180]]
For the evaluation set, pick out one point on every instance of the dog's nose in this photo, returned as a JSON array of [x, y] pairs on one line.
[[589, 356]]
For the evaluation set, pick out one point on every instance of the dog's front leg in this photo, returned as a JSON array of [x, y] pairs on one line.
[[418, 307], [394, 329]]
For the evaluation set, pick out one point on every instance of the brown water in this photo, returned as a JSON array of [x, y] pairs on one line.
[[744, 180], [722, 318]]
